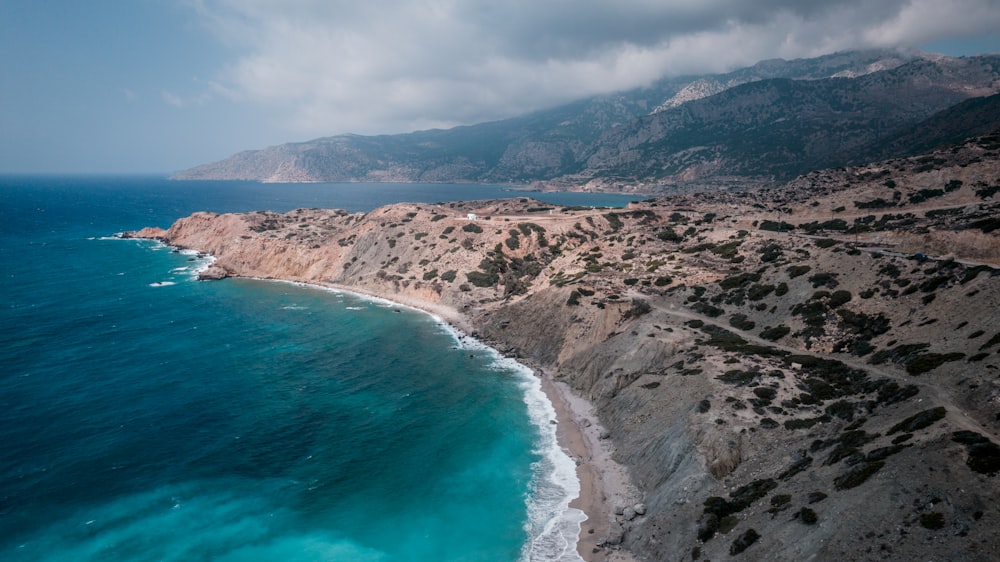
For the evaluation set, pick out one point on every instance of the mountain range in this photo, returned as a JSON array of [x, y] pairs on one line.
[[769, 122]]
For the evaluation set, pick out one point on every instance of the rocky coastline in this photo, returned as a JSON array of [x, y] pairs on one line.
[[806, 371]]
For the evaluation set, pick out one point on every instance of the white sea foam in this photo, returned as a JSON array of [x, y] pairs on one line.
[[162, 284], [553, 526]]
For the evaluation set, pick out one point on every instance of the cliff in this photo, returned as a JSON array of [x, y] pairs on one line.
[[803, 372]]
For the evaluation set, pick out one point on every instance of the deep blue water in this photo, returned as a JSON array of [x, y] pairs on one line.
[[148, 416]]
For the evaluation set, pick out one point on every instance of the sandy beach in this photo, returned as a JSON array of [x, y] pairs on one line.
[[604, 484]]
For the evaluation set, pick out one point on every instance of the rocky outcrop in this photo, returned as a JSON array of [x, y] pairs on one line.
[[780, 379]]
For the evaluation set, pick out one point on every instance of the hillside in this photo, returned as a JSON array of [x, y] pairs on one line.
[[773, 120], [804, 371]]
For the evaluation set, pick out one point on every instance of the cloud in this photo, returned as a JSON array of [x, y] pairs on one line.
[[175, 100], [332, 66]]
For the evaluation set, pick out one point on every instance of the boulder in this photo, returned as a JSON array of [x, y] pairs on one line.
[[213, 273]]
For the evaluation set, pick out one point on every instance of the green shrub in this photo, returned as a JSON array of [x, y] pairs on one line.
[[741, 322], [430, 275], [828, 280], [662, 281], [775, 333], [472, 227], [781, 290], [932, 521], [482, 279], [807, 516], [449, 275], [798, 270], [931, 361]]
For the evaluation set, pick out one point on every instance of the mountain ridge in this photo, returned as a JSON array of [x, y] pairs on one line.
[[580, 142]]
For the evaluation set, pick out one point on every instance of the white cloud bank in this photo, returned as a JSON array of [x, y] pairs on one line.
[[385, 66]]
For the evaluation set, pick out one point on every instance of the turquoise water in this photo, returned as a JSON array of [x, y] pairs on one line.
[[148, 416]]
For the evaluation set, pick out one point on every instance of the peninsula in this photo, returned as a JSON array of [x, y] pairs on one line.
[[804, 371]]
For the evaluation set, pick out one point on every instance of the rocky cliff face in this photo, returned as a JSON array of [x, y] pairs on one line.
[[808, 371]]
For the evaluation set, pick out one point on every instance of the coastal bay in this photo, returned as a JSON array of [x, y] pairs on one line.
[[760, 380]]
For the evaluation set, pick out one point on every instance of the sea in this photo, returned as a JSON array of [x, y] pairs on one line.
[[148, 416]]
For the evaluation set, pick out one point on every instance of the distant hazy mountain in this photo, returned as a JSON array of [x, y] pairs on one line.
[[773, 120]]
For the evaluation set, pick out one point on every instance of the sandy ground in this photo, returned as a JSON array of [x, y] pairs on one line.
[[604, 483]]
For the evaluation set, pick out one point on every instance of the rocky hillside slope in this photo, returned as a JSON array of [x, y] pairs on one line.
[[802, 372], [700, 130]]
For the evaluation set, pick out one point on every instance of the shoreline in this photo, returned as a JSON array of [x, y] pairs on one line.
[[605, 487], [604, 484]]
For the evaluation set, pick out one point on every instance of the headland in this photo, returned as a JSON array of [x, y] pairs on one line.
[[804, 371]]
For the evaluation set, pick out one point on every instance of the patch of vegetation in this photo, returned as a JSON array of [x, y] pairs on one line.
[[728, 341], [662, 281], [739, 280], [857, 475], [743, 542], [828, 280], [482, 279], [430, 275], [449, 275], [992, 341], [574, 298], [797, 270], [472, 227], [796, 467], [933, 520], [826, 242], [986, 225], [834, 224], [638, 308], [925, 194], [815, 497], [774, 226], [775, 333], [727, 250], [741, 322], [614, 221], [930, 361], [900, 354], [707, 309], [805, 423], [770, 253], [807, 516], [989, 191], [984, 455], [757, 292], [669, 235], [874, 204], [737, 377]]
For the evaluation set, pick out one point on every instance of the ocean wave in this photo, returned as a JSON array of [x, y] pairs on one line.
[[162, 284], [553, 526]]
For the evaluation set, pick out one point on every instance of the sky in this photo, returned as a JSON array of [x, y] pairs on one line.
[[156, 86]]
